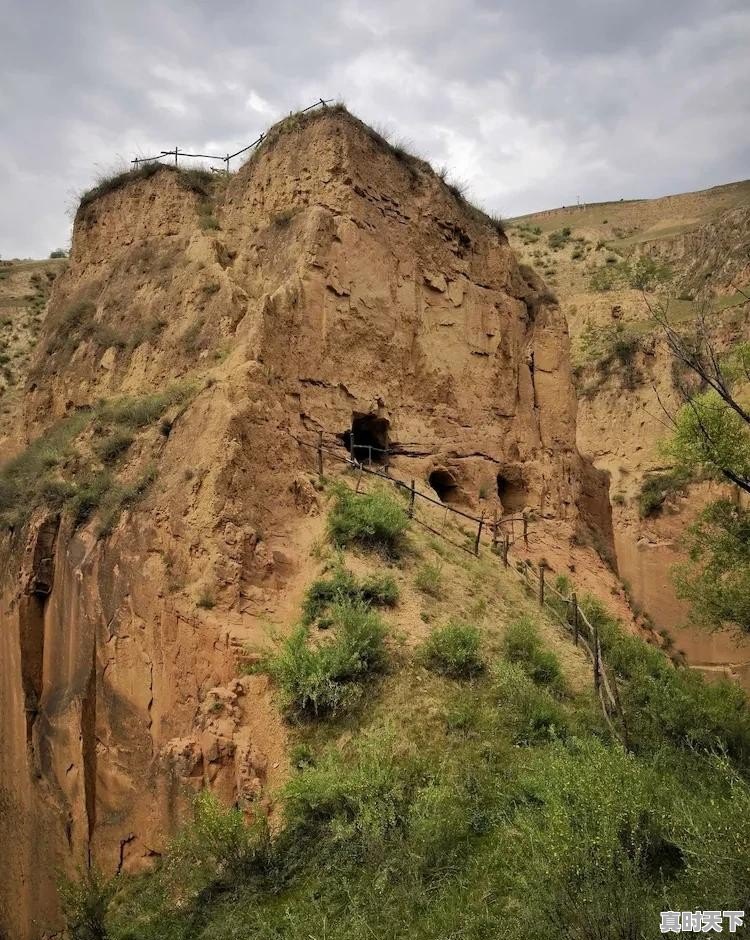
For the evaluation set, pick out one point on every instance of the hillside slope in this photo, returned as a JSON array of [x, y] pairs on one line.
[[695, 249], [161, 515]]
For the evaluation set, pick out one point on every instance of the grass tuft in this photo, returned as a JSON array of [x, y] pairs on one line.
[[453, 650], [373, 520]]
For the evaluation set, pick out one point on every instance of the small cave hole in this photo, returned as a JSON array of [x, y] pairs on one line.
[[511, 491], [444, 484], [367, 440]]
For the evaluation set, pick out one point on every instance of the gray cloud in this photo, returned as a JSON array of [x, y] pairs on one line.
[[532, 103]]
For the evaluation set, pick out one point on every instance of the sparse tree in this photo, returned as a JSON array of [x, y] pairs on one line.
[[711, 438]]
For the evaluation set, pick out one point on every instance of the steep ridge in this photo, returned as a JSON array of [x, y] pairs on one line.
[[203, 323]]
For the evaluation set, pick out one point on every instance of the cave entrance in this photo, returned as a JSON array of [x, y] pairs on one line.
[[512, 491], [445, 485], [368, 438]]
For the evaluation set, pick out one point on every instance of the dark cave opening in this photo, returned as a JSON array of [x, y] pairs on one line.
[[445, 485], [367, 441], [512, 491]]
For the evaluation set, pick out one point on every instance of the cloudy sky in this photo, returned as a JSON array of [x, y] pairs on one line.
[[531, 102]]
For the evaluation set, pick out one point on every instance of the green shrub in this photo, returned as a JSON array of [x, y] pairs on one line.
[[326, 679], [522, 645], [85, 901], [667, 703], [216, 848], [373, 520], [114, 445], [429, 579], [138, 411], [453, 650], [206, 600], [529, 711], [655, 489], [351, 810], [380, 590], [88, 495]]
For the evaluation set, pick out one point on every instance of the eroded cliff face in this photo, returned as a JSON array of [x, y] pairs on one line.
[[327, 281]]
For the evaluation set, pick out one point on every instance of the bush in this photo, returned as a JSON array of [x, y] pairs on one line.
[[326, 679], [531, 714], [373, 520], [453, 650], [429, 579], [114, 445], [655, 489], [380, 590], [668, 703], [138, 411], [89, 494], [351, 808], [523, 646], [85, 902], [216, 848]]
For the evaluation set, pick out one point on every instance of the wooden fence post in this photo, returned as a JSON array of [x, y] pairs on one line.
[[411, 499], [494, 530], [574, 613], [541, 584], [479, 533], [506, 546], [525, 531], [351, 447], [597, 677], [320, 453]]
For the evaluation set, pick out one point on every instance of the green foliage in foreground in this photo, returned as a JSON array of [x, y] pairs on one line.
[[461, 833], [327, 678], [716, 579], [372, 520]]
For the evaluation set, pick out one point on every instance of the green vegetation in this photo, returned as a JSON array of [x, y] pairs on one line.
[[558, 240], [716, 578], [206, 600], [712, 439], [523, 646], [644, 273], [55, 471], [613, 349], [372, 520], [84, 902], [194, 180], [656, 488], [463, 802], [429, 579], [379, 590], [453, 650], [114, 445], [327, 679]]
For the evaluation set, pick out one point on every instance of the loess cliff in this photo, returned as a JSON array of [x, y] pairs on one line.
[[203, 327]]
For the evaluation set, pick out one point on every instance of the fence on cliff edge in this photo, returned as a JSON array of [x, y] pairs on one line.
[[176, 152], [566, 610]]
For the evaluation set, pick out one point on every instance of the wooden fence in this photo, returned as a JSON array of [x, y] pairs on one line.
[[565, 609], [177, 153]]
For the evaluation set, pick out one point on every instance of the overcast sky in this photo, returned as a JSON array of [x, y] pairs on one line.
[[531, 102]]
